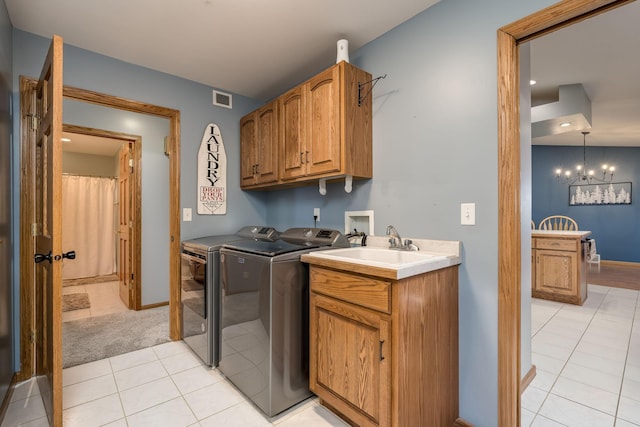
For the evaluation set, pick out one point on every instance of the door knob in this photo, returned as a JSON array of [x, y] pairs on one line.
[[41, 257], [38, 258]]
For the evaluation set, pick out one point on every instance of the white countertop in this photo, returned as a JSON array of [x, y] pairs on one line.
[[561, 233], [396, 264]]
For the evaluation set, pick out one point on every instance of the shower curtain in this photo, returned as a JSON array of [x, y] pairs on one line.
[[88, 225]]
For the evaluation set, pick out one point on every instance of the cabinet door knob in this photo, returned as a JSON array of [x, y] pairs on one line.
[[381, 356]]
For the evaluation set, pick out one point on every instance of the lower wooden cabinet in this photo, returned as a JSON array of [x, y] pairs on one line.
[[360, 378], [559, 269], [385, 352]]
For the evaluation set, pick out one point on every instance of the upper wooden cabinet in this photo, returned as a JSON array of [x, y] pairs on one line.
[[292, 138], [248, 149], [322, 137], [322, 131], [259, 146]]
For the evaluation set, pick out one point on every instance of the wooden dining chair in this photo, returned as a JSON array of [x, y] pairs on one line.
[[558, 222]]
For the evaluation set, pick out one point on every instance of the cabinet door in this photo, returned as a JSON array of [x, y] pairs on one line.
[[267, 143], [557, 272], [533, 263], [350, 360], [294, 155], [248, 142], [323, 122]]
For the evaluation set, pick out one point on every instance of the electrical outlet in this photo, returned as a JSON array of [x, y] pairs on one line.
[[316, 214], [468, 213], [186, 214]]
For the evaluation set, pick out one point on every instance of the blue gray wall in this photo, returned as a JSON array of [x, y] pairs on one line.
[[616, 228], [435, 146], [88, 70], [7, 335]]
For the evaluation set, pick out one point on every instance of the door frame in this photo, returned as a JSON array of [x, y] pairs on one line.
[[27, 204], [559, 15], [135, 300]]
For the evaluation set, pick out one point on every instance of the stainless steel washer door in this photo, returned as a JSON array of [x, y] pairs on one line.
[[194, 294], [264, 349]]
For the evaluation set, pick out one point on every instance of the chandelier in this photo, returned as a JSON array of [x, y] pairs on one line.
[[583, 174]]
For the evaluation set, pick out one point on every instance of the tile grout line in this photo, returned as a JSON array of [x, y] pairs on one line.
[[158, 359], [23, 421], [567, 361], [186, 402], [626, 359], [545, 323], [124, 413]]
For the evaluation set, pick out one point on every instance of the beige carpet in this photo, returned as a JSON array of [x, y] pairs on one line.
[[90, 280], [77, 301], [96, 338]]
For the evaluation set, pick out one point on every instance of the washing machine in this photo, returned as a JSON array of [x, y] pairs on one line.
[[200, 289]]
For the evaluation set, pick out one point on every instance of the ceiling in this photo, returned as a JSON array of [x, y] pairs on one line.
[[256, 49], [261, 52], [89, 144], [600, 53]]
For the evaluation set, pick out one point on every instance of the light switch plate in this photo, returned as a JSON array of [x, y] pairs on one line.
[[468, 213], [186, 214]]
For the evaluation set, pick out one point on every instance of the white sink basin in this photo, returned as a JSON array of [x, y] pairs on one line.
[[384, 256], [402, 263]]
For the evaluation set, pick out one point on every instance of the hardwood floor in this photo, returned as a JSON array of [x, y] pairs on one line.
[[615, 275]]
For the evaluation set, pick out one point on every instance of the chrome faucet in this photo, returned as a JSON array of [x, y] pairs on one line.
[[396, 242]]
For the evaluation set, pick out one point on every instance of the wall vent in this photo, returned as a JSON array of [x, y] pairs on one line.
[[222, 99]]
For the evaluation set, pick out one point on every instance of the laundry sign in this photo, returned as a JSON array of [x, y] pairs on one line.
[[212, 173]]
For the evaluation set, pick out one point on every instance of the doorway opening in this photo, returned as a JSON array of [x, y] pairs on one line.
[[509, 215], [27, 203], [101, 222]]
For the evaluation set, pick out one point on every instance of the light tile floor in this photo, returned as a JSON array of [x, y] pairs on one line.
[[587, 361], [165, 385], [103, 297]]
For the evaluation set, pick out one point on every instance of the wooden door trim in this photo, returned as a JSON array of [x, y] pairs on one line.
[[173, 151], [560, 15], [27, 203], [136, 151]]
